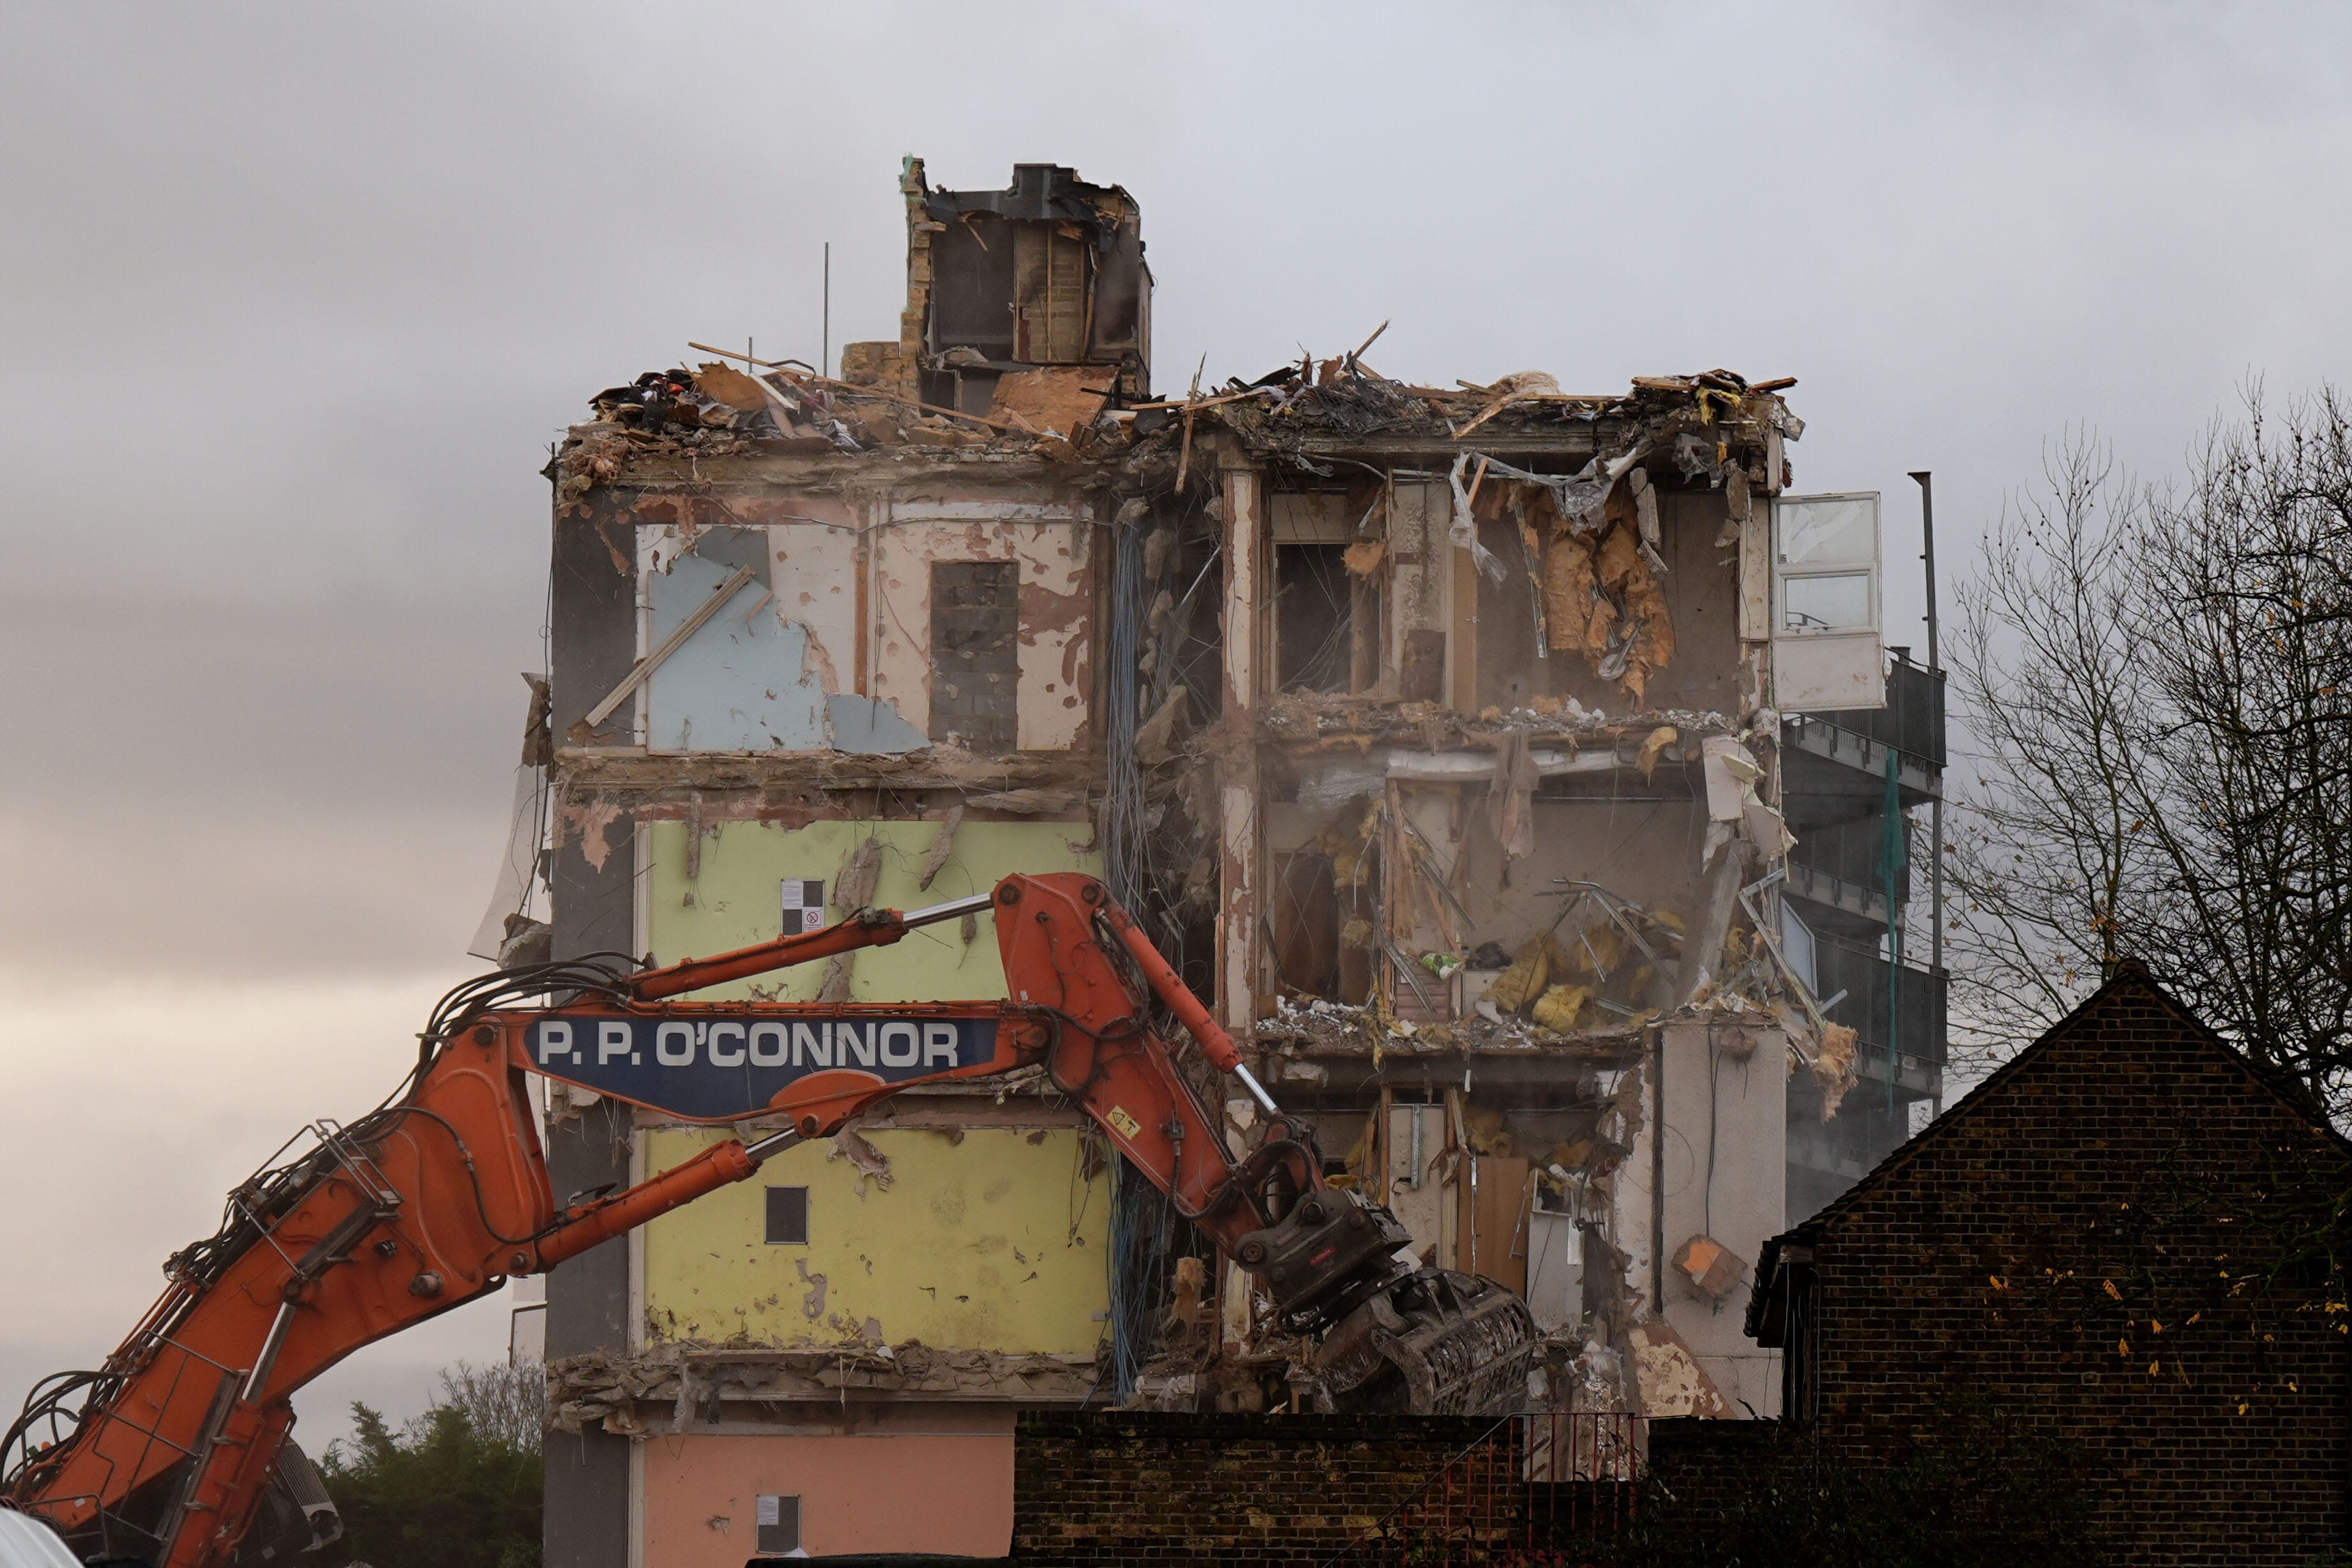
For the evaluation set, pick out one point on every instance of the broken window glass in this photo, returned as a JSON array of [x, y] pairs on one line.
[[1829, 531]]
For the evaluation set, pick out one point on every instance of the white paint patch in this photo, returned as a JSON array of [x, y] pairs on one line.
[[1055, 673]]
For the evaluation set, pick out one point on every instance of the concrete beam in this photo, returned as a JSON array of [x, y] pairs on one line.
[[1246, 601]]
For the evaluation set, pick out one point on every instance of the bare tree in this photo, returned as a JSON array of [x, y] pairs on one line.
[[2159, 680], [2051, 676], [504, 1404], [2245, 581]]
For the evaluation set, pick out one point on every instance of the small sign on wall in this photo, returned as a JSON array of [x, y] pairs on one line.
[[804, 905], [779, 1534]]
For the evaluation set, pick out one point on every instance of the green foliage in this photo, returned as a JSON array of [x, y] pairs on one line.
[[458, 1488]]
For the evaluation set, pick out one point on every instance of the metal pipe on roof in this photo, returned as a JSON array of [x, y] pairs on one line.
[[1926, 481]]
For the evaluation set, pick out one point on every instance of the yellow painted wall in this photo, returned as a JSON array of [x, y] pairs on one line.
[[994, 1243], [736, 897]]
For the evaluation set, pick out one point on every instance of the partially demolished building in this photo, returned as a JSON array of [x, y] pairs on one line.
[[1436, 733]]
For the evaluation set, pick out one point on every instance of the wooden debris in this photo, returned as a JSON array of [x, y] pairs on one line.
[[1184, 458], [1156, 735], [1028, 802], [731, 388], [854, 390], [1507, 391], [1051, 397], [670, 644]]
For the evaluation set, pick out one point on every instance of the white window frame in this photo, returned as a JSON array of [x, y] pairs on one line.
[[1799, 949], [1784, 574], [1829, 668]]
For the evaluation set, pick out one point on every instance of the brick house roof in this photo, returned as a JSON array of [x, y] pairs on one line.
[[2130, 979]]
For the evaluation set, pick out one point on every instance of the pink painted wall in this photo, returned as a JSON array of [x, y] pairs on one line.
[[886, 1492]]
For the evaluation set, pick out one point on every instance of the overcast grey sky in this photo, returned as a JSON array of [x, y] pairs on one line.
[[293, 299]]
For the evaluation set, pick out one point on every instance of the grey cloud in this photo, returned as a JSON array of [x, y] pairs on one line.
[[295, 297], [253, 788]]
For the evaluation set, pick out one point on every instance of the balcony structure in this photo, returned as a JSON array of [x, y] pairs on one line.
[[1842, 772]]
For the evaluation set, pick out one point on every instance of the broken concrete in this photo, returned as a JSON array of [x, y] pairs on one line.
[[672, 1388]]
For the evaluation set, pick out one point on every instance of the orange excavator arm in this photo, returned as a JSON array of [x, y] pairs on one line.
[[169, 1451]]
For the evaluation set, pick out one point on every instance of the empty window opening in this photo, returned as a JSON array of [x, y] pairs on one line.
[[1315, 919], [1307, 924], [975, 658], [1314, 617], [780, 1526], [787, 1217]]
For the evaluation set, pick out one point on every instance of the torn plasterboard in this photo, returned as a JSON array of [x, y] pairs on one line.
[[1462, 530], [1732, 775], [1729, 772], [943, 848], [1672, 1381], [1511, 797], [861, 873], [738, 677], [1605, 601]]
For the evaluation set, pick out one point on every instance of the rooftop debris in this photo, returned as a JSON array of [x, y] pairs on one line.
[[783, 407]]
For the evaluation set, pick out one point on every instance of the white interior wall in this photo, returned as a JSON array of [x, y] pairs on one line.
[[1710, 1089]]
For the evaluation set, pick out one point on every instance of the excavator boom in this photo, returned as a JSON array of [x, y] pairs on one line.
[[174, 1448]]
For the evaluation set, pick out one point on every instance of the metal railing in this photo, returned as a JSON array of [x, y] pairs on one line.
[[1524, 1495], [1912, 720], [1844, 1154], [1855, 854], [1862, 974]]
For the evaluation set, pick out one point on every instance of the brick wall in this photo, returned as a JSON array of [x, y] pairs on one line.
[[2013, 1265], [1707, 1468], [1131, 1487], [2127, 1171]]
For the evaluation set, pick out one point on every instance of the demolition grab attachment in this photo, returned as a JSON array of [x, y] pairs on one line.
[[176, 1450]]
